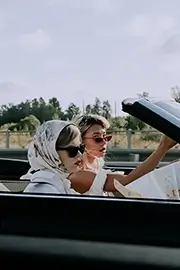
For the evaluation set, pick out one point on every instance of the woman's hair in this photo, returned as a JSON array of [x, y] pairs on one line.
[[67, 136], [85, 121]]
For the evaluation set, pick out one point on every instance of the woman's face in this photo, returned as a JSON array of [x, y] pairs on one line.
[[71, 156], [95, 140]]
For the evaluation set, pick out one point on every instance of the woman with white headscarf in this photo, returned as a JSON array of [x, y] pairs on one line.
[[53, 155]]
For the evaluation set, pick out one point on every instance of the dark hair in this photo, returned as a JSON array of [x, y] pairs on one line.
[[67, 136]]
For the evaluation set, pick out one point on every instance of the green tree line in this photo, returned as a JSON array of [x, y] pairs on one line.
[[26, 116]]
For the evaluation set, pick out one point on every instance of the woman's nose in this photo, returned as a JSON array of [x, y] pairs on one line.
[[104, 142]]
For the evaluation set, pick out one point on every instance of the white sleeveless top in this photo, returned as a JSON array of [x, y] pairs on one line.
[[45, 181]]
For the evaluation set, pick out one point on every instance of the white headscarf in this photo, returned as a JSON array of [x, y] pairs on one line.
[[42, 152]]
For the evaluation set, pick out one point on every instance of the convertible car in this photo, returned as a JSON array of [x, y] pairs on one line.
[[12, 169], [79, 231], [160, 114]]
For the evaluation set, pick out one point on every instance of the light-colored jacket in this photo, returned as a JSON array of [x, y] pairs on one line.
[[45, 181]]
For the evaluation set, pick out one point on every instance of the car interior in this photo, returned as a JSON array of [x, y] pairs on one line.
[[84, 231], [12, 169], [88, 231]]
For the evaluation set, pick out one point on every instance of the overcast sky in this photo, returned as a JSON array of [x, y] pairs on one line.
[[76, 50]]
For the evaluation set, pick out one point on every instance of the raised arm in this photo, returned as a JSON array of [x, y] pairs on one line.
[[83, 180], [153, 160]]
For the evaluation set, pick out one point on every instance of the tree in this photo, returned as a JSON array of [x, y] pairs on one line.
[[44, 112], [116, 123], [143, 95], [29, 123], [54, 102], [88, 109], [96, 108], [176, 93], [72, 111], [14, 113], [106, 109], [22, 116], [39, 108], [56, 110], [133, 122]]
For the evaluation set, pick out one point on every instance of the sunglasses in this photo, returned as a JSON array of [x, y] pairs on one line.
[[73, 151], [105, 138]]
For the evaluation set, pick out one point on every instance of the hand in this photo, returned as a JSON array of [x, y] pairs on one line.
[[166, 143]]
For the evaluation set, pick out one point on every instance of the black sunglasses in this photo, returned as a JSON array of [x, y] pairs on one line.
[[106, 138], [72, 150]]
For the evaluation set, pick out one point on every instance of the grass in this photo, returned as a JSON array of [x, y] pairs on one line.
[[22, 140]]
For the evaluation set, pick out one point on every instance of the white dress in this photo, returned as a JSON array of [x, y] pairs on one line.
[[101, 176]]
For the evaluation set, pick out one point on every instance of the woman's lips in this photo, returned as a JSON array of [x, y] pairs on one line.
[[78, 163], [103, 149]]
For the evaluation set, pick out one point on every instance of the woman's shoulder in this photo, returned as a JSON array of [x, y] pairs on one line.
[[88, 181], [44, 174], [41, 188], [44, 181]]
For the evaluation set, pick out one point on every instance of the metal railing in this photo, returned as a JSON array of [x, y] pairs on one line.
[[146, 139]]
